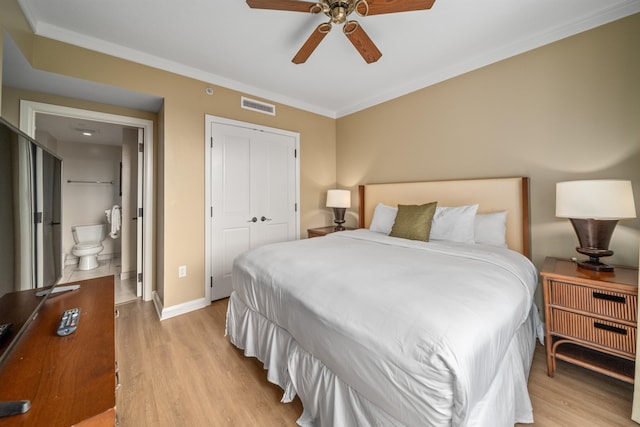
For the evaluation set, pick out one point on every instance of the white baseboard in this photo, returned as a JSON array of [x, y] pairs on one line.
[[177, 310]]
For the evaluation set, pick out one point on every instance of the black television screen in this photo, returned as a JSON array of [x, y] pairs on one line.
[[30, 224]]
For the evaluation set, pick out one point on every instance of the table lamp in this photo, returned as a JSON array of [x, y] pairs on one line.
[[339, 200], [594, 208]]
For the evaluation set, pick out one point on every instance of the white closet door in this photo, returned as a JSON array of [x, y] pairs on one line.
[[273, 188], [253, 196]]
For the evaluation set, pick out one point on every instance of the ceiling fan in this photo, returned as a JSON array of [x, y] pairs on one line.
[[338, 13]]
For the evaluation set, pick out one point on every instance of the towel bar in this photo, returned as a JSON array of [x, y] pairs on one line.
[[71, 181]]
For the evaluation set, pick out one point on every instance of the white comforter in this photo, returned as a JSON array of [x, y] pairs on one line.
[[419, 329]]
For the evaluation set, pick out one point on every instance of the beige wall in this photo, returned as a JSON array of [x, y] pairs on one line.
[[180, 148], [569, 110]]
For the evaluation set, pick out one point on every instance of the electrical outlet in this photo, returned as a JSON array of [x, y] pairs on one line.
[[182, 271]]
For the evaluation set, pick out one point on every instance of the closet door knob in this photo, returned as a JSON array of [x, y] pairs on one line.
[[254, 219], [264, 218]]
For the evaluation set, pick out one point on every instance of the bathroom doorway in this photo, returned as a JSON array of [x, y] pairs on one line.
[[108, 169]]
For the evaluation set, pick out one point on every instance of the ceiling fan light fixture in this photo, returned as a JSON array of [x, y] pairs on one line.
[[337, 3], [338, 15]]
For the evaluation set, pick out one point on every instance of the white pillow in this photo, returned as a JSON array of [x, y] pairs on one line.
[[454, 224], [383, 218], [491, 229]]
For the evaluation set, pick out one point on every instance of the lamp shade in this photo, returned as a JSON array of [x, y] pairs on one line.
[[338, 199], [595, 199]]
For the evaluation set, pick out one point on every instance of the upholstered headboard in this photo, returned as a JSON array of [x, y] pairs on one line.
[[492, 195]]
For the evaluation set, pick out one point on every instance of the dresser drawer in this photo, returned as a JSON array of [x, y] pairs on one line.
[[599, 301], [597, 331]]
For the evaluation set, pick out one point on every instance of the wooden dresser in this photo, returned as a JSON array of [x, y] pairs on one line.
[[69, 380], [591, 317]]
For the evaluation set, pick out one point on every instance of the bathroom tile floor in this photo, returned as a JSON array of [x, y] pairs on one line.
[[125, 290]]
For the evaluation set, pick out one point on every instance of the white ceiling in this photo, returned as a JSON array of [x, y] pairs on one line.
[[229, 44]]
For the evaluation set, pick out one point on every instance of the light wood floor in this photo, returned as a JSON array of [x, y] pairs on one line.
[[184, 372]]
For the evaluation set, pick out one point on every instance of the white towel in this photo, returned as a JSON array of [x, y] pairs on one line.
[[114, 218]]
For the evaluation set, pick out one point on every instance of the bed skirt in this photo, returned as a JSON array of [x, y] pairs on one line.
[[328, 401]]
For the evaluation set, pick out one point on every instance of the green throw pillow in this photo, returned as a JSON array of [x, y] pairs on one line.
[[414, 221]]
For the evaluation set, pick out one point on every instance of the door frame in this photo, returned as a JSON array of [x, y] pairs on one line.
[[208, 197], [28, 111]]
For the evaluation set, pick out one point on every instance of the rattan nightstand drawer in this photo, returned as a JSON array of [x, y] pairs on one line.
[[591, 317], [611, 335], [599, 301]]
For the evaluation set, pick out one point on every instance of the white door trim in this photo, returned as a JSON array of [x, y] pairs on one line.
[[209, 121], [28, 111], [140, 248]]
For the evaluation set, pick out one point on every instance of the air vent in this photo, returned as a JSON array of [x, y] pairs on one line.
[[260, 107]]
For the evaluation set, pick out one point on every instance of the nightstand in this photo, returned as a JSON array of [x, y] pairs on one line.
[[590, 317], [323, 231]]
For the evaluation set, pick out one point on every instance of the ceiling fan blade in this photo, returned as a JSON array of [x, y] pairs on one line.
[[378, 7], [312, 42], [291, 5], [361, 41]]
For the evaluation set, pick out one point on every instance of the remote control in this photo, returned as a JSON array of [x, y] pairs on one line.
[[4, 328], [69, 321], [58, 289], [65, 288], [14, 407]]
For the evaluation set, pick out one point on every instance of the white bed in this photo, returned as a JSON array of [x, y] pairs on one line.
[[369, 329]]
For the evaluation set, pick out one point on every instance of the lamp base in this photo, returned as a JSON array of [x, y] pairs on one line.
[[595, 266], [594, 255], [594, 236], [338, 213]]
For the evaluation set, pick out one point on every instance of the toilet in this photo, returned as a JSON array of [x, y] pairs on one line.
[[88, 245]]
